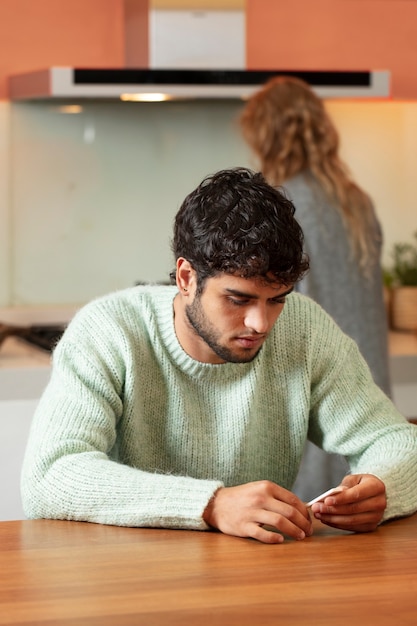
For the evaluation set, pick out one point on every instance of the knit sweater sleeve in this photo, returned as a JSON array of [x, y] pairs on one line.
[[71, 470], [351, 416]]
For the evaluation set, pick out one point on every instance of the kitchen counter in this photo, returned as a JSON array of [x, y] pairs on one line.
[[402, 343], [25, 370]]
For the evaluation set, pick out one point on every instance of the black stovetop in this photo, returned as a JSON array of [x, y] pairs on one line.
[[43, 336]]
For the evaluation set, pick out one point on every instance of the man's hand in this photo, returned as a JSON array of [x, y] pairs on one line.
[[359, 507], [258, 510]]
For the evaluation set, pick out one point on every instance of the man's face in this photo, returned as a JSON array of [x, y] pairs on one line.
[[231, 319]]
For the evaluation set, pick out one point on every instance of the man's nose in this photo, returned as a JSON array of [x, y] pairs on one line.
[[257, 319]]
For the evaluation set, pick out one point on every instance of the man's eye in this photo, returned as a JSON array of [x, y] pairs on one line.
[[278, 301], [238, 301]]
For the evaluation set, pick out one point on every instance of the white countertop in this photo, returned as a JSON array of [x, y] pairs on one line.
[[16, 353], [402, 343], [25, 370]]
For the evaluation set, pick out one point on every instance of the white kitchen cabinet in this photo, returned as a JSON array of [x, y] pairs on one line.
[[15, 419], [24, 373], [404, 384], [403, 367]]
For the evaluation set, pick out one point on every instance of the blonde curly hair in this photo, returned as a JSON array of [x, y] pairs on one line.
[[287, 127]]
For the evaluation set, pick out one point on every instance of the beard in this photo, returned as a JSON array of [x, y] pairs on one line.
[[211, 336]]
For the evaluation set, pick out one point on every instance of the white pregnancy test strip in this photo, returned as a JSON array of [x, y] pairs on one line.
[[324, 495]]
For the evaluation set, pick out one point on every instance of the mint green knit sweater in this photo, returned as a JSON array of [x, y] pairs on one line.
[[131, 431]]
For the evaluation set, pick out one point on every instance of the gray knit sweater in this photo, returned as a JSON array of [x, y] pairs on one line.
[[335, 279], [132, 431]]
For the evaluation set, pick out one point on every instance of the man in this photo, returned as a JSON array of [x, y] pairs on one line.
[[189, 406]]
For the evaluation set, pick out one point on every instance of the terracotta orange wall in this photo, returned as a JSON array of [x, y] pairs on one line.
[[35, 34], [136, 25], [287, 34], [330, 34]]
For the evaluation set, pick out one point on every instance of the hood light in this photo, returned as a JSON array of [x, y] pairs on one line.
[[145, 97], [70, 109]]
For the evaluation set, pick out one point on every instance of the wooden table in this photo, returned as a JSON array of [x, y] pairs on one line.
[[57, 572]]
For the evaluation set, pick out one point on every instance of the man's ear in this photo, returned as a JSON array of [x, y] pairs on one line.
[[186, 276]]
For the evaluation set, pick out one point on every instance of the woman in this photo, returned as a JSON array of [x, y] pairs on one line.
[[288, 129]]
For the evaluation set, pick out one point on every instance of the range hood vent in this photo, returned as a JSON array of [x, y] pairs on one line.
[[170, 84]]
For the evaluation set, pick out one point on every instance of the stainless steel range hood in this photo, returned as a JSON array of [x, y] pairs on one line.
[[165, 84]]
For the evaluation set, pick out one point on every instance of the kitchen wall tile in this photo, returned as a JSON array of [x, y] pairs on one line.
[[92, 196], [95, 193], [5, 222]]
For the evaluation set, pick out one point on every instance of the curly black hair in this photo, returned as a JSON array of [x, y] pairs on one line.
[[235, 222]]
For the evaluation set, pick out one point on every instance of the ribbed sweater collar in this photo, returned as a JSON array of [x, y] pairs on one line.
[[163, 309]]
